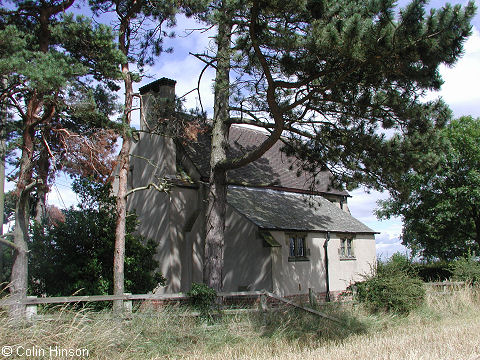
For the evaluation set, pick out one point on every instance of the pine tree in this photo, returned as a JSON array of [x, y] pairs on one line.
[[48, 57], [140, 45], [332, 77]]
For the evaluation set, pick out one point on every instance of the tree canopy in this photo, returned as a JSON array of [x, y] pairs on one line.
[[330, 79], [440, 207], [336, 76], [52, 62]]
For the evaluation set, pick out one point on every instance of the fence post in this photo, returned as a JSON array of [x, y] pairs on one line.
[[127, 304], [311, 297], [31, 309], [263, 302]]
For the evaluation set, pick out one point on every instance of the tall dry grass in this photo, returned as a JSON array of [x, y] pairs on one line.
[[446, 327]]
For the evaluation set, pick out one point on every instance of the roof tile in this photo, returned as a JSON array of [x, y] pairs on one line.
[[273, 169], [282, 210]]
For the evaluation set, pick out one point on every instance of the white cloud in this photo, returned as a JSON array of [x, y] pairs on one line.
[[387, 245], [465, 75], [362, 206], [185, 68]]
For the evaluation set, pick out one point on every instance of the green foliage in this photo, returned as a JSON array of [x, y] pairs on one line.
[[76, 252], [203, 299], [64, 67], [393, 288], [439, 205], [434, 271], [466, 269], [143, 27], [398, 263], [77, 48], [339, 73]]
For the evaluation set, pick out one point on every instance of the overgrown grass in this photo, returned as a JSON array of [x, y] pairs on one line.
[[445, 327]]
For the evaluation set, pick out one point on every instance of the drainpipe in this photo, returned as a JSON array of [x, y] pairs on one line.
[[327, 279]]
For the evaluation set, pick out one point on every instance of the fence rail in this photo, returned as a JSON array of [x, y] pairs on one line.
[[446, 283], [31, 302], [446, 286]]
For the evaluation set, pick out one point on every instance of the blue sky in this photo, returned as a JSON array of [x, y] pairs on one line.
[[460, 91]]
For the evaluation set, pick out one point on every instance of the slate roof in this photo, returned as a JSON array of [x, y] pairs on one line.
[[274, 169], [281, 210], [154, 86]]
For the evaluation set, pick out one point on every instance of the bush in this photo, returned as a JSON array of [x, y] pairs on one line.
[[398, 263], [393, 288], [466, 269], [76, 252], [203, 299], [435, 271]]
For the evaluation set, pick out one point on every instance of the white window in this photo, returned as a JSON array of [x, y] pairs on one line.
[[346, 248], [297, 247]]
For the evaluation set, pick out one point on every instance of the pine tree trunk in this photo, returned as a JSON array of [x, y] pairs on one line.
[[123, 165], [217, 195], [19, 284], [19, 277], [3, 122], [476, 221], [43, 167]]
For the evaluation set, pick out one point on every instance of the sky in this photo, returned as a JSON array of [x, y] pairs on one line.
[[460, 91]]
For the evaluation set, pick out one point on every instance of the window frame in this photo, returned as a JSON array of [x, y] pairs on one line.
[[346, 250], [299, 242]]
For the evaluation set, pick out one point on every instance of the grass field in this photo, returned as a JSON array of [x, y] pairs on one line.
[[446, 327]]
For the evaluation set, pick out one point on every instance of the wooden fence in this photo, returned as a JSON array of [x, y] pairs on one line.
[[446, 286], [263, 297]]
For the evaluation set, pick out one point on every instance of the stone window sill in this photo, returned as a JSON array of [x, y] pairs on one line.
[[297, 258]]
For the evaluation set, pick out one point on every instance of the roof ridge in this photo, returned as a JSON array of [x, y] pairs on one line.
[[245, 127]]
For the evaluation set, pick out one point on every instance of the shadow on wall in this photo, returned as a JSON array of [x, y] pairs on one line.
[[297, 277], [248, 263], [164, 218], [282, 213]]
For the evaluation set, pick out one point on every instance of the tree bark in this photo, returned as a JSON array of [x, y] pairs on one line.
[[43, 167], [217, 195], [120, 226], [25, 182], [123, 166], [19, 277], [476, 221], [3, 122]]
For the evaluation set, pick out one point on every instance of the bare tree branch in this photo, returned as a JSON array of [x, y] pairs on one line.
[[162, 187], [4, 241]]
